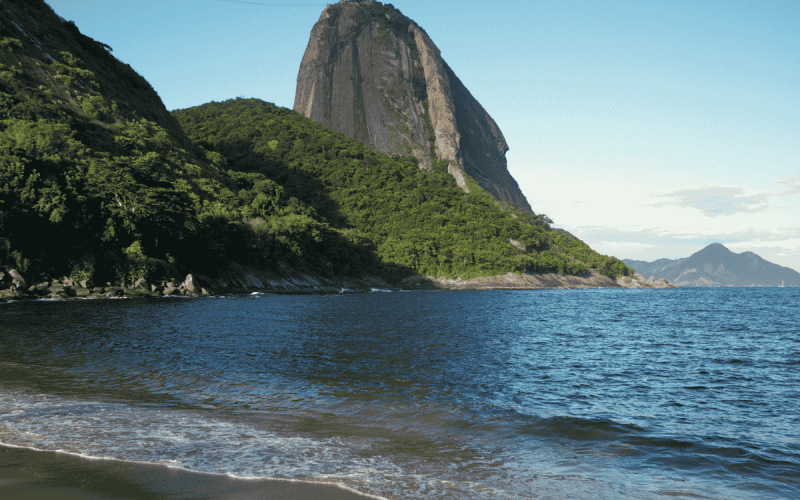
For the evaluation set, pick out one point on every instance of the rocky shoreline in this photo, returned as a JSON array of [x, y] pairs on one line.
[[237, 279], [526, 281], [13, 286], [639, 281]]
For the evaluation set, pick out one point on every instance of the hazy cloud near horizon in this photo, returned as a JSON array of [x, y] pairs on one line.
[[652, 222], [714, 201]]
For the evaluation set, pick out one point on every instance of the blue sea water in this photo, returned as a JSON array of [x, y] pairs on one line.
[[562, 394]]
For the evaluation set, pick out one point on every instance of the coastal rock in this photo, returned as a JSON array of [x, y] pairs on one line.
[[141, 284], [140, 293], [16, 278], [526, 281], [189, 284], [639, 281], [40, 289], [374, 75]]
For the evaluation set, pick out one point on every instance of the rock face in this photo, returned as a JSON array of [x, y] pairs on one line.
[[372, 74], [511, 281], [639, 281], [715, 265]]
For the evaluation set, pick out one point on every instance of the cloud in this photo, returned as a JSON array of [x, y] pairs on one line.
[[648, 220], [782, 248], [791, 182], [714, 201]]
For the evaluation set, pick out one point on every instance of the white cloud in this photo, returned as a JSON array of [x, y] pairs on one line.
[[783, 248], [791, 182], [652, 221], [719, 200]]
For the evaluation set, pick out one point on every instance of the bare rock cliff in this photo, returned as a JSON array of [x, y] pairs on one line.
[[372, 74]]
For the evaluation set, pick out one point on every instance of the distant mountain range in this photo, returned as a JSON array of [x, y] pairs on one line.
[[715, 265]]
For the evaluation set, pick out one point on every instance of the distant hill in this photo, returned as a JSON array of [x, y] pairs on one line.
[[715, 265]]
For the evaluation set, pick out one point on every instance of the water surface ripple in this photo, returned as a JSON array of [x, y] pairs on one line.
[[688, 393]]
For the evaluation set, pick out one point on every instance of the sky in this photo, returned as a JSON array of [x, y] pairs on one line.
[[648, 129]]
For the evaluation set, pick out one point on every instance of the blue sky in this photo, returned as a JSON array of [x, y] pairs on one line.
[[647, 129]]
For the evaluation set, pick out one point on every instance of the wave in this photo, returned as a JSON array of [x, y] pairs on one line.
[[244, 448]]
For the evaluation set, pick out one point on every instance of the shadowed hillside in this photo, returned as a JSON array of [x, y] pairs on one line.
[[98, 181]]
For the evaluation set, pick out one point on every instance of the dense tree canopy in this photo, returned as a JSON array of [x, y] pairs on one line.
[[98, 181], [417, 220]]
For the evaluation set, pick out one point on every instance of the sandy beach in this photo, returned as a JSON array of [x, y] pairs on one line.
[[34, 475]]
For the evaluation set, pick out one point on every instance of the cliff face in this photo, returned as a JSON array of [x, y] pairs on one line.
[[372, 74]]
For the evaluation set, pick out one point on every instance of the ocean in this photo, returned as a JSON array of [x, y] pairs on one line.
[[512, 394]]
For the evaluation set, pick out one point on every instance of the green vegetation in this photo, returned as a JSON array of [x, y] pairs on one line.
[[98, 182], [417, 220]]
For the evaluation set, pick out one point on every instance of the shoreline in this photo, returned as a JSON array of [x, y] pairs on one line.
[[33, 474], [249, 281]]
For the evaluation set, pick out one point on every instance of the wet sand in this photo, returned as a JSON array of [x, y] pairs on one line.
[[26, 474]]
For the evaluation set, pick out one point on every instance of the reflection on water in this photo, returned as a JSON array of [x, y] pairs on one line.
[[555, 393]]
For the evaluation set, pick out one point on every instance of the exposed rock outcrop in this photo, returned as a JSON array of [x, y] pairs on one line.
[[374, 75], [639, 281], [13, 287], [236, 279], [512, 281]]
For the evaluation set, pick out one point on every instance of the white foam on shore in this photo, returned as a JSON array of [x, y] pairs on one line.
[[243, 447], [185, 440]]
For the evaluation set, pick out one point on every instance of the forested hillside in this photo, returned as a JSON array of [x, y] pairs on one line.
[[98, 181], [93, 174], [417, 220]]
